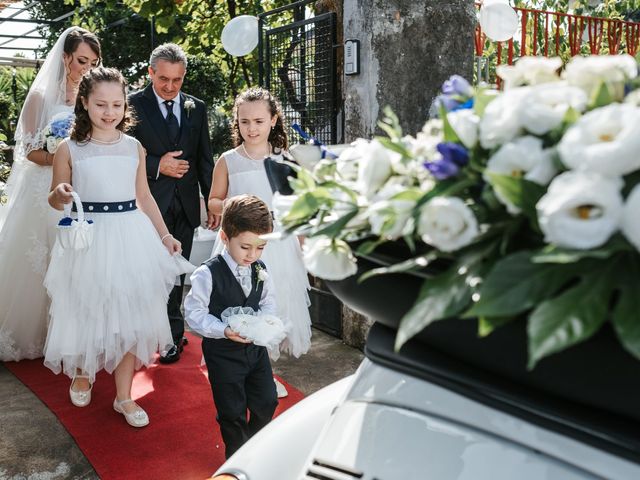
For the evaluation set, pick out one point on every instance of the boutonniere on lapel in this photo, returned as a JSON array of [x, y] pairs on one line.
[[188, 106], [261, 272]]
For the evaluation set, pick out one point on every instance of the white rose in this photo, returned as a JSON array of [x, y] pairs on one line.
[[523, 157], [465, 123], [630, 223], [530, 71], [374, 166], [588, 73], [580, 210], [328, 259], [546, 105], [391, 218], [447, 223], [52, 144], [605, 140], [501, 121]]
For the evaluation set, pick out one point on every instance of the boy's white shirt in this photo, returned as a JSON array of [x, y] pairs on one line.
[[196, 303]]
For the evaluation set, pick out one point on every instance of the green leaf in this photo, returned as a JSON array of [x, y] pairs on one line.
[[447, 294], [516, 284], [418, 262], [571, 116], [571, 317], [369, 246], [554, 254], [483, 98], [449, 133], [524, 194], [625, 314], [600, 96], [486, 325], [394, 146], [332, 230], [3, 137], [304, 207], [440, 297], [390, 124]]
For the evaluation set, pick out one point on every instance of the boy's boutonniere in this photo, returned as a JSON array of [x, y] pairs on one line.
[[262, 273], [188, 106]]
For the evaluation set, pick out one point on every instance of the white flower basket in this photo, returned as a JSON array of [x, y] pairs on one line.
[[71, 233]]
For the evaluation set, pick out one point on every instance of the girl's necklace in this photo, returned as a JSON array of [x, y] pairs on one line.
[[249, 156], [107, 142]]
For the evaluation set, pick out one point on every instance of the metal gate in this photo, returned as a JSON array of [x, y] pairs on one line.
[[297, 63]]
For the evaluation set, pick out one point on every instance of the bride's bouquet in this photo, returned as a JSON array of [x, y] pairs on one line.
[[57, 130], [526, 199]]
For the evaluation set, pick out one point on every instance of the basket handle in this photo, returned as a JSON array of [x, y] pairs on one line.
[[67, 207]]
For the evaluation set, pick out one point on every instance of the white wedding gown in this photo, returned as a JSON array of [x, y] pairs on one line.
[[27, 232], [283, 258]]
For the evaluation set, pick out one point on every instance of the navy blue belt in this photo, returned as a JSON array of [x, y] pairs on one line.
[[107, 207]]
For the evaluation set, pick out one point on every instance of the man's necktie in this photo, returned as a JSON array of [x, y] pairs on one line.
[[172, 122], [244, 277]]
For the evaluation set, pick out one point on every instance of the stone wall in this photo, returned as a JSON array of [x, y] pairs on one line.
[[407, 49]]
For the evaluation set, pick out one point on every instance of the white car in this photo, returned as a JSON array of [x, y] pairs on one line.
[[418, 416]]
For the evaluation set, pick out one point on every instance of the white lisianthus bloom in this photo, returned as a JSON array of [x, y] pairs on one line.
[[391, 218], [327, 258], [530, 71], [306, 155], [545, 106], [447, 224], [630, 218], [501, 121], [580, 210], [523, 157], [465, 123], [347, 163], [605, 140], [281, 205], [374, 165], [588, 73]]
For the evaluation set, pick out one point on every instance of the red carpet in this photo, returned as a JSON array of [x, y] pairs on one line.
[[183, 439]]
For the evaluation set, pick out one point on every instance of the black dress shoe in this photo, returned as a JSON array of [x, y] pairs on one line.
[[173, 354]]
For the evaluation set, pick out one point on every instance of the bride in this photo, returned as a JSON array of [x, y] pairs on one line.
[[26, 220]]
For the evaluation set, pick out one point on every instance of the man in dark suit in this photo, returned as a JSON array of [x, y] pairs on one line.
[[172, 127]]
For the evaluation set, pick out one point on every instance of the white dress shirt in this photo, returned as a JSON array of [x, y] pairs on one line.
[[196, 303], [163, 107]]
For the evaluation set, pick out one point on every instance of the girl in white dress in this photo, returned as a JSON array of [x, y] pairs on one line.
[[258, 132], [26, 220], [108, 301]]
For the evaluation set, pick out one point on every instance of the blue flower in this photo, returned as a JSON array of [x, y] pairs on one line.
[[464, 106], [456, 85], [453, 158], [60, 127]]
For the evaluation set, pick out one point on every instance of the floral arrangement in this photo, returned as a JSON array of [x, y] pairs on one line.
[[188, 106], [529, 197], [57, 130]]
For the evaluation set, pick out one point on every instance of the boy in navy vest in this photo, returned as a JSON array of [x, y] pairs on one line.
[[239, 371]]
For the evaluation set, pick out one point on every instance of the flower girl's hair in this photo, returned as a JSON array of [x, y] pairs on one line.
[[278, 135], [245, 213], [81, 131]]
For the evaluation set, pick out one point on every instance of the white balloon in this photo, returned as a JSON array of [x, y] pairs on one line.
[[498, 20], [240, 35]]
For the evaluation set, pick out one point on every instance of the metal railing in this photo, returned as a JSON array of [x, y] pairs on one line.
[[556, 34]]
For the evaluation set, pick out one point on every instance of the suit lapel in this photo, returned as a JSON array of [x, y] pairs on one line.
[[152, 109]]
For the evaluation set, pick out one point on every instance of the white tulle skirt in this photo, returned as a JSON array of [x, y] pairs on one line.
[[111, 298], [283, 259], [27, 233]]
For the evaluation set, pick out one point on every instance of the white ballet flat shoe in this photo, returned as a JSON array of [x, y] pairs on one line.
[[281, 390], [80, 398], [138, 418]]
